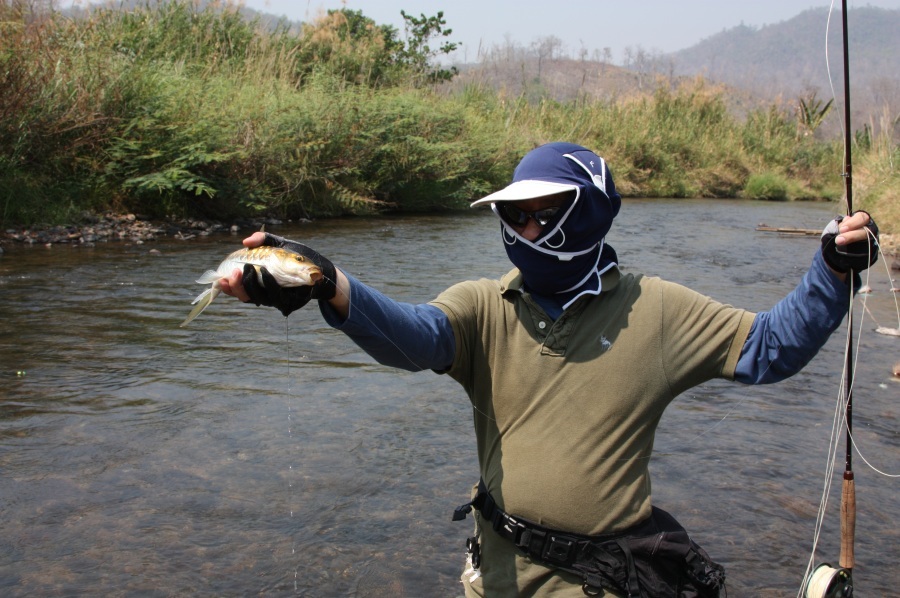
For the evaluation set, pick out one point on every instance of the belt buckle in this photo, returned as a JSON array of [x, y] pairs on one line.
[[558, 549], [510, 529]]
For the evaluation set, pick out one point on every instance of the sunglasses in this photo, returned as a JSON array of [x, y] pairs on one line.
[[519, 218]]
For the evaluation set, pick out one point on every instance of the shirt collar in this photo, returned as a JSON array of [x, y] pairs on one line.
[[513, 280]]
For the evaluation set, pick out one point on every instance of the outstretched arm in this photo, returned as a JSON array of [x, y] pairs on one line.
[[402, 335], [784, 339]]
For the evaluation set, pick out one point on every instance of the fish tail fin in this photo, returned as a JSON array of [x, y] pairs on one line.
[[200, 303]]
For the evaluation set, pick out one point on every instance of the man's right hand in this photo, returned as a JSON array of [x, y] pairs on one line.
[[243, 284]]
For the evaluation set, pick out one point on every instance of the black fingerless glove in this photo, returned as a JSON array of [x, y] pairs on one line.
[[855, 256], [289, 299]]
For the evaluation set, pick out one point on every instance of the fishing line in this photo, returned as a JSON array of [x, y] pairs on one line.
[[699, 435], [859, 340], [840, 424], [390, 340], [491, 418], [838, 421], [837, 425], [290, 419], [479, 411], [828, 67]]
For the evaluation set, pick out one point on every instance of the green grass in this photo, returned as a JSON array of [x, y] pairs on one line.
[[174, 111], [766, 185]]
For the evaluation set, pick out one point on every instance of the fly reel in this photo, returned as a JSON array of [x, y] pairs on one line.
[[827, 582]]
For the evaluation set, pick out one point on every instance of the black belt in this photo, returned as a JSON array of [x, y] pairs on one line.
[[548, 545], [667, 558]]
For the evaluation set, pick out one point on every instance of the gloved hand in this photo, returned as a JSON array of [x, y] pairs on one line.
[[856, 256], [289, 299]]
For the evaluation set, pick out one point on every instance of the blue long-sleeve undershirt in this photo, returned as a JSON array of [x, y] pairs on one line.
[[781, 340], [784, 339], [401, 335]]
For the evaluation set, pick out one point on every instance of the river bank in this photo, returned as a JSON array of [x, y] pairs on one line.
[[128, 228], [131, 228]]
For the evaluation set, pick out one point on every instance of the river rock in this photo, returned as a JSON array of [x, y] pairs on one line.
[[130, 228]]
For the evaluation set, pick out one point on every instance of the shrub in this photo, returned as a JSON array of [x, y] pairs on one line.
[[766, 185]]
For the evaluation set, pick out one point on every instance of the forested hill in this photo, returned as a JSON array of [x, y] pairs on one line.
[[789, 57]]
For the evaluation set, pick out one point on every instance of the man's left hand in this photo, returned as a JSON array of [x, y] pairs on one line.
[[850, 243]]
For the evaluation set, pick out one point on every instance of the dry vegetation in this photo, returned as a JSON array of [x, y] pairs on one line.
[[173, 110]]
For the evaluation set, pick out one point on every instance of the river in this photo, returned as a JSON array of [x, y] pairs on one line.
[[249, 454]]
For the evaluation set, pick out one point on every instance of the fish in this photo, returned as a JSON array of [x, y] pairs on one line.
[[290, 269]]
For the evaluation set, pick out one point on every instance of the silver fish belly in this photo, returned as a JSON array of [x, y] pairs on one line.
[[288, 268]]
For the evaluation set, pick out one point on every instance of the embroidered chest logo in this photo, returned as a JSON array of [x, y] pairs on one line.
[[605, 344]]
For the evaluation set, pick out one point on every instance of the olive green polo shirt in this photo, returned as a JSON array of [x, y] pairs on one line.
[[565, 411]]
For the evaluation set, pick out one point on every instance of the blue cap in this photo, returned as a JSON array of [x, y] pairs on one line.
[[554, 168], [570, 254]]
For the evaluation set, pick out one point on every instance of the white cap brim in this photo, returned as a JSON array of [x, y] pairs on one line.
[[522, 190]]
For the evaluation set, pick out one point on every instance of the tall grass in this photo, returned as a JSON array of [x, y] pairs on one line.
[[170, 110], [876, 176]]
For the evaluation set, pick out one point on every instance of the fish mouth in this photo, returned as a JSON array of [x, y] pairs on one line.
[[315, 276]]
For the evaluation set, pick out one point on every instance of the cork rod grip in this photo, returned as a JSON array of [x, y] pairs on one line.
[[848, 520]]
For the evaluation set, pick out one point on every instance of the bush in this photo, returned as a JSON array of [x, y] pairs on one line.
[[174, 110], [766, 186]]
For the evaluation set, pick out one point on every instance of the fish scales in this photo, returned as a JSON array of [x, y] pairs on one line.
[[290, 269]]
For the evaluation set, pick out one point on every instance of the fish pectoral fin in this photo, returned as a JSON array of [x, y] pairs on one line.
[[201, 302], [209, 276], [259, 276]]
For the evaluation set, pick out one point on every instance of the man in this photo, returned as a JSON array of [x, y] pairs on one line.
[[569, 365]]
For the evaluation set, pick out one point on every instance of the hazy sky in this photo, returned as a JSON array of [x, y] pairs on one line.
[[665, 25]]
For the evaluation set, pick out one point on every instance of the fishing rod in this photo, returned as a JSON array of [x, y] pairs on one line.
[[848, 490], [825, 581]]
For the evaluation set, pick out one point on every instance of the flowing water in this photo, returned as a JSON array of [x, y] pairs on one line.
[[250, 454]]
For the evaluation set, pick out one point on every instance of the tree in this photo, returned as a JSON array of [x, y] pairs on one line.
[[418, 55], [352, 45], [811, 111], [546, 48]]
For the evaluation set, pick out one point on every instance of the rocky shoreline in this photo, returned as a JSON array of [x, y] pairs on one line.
[[135, 229], [128, 228]]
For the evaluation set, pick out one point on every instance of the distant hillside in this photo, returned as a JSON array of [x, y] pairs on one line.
[[774, 63], [789, 59]]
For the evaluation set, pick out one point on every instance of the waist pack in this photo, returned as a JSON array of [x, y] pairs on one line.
[[653, 559]]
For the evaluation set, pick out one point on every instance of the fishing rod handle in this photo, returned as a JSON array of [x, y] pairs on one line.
[[848, 520]]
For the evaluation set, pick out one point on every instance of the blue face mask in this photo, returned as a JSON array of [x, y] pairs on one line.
[[569, 256]]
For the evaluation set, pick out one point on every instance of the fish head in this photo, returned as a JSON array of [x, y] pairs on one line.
[[295, 270]]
